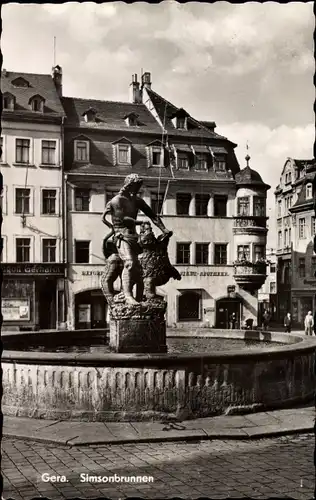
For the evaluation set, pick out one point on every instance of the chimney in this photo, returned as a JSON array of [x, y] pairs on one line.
[[146, 80], [57, 75], [134, 91]]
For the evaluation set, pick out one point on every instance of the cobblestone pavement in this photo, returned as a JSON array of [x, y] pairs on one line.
[[281, 467]]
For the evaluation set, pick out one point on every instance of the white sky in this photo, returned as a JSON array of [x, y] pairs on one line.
[[249, 67]]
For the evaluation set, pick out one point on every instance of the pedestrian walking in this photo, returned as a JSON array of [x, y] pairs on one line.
[[288, 323], [266, 319], [232, 321], [309, 323]]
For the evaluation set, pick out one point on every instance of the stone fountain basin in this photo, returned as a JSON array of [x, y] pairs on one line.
[[118, 387]]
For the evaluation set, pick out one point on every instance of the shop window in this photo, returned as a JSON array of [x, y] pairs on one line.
[[273, 287], [183, 201], [48, 152], [220, 206], [22, 150], [82, 200], [220, 254], [22, 201], [49, 201], [81, 151], [82, 252], [189, 306], [201, 253], [23, 249], [301, 228], [201, 204], [243, 253], [301, 267], [259, 206], [243, 206], [183, 253], [259, 252], [156, 202], [49, 250]]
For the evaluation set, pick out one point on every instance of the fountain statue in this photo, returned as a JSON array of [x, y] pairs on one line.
[[137, 323]]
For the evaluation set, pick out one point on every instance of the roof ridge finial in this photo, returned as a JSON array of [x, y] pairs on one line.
[[247, 157]]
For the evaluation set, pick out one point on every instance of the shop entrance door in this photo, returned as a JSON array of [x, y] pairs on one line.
[[91, 310], [224, 309], [47, 305]]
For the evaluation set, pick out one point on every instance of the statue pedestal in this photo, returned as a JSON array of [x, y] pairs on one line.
[[138, 329], [138, 335]]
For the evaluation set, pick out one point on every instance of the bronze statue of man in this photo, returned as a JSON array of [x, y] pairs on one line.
[[123, 209]]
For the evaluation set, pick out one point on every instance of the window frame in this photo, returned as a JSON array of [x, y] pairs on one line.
[[201, 204], [75, 199], [43, 239], [56, 162], [207, 247], [180, 157], [263, 253], [239, 205], [309, 190], [126, 147], [178, 243], [57, 211], [157, 149], [31, 200], [30, 150], [262, 206], [178, 195], [223, 197], [200, 157], [247, 258], [31, 248], [154, 194], [12, 100], [75, 251], [216, 245], [87, 142], [302, 228], [302, 267], [3, 159], [280, 240]]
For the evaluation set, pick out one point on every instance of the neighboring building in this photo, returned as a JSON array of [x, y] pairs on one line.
[[31, 164], [192, 178], [267, 295], [296, 283]]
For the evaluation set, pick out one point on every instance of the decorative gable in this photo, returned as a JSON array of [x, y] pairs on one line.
[[20, 82], [37, 103]]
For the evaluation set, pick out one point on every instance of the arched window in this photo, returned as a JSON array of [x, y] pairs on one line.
[[189, 306], [309, 191], [37, 103]]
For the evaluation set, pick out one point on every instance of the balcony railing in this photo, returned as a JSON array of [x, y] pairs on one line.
[[250, 275], [242, 222]]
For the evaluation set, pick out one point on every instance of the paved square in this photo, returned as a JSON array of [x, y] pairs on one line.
[[257, 469]]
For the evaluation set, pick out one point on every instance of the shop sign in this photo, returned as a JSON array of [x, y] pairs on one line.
[[15, 309], [203, 273], [92, 273], [50, 269]]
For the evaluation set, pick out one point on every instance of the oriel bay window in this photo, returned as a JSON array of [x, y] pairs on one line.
[[48, 152], [49, 201], [201, 253], [22, 201], [259, 206], [220, 254], [243, 252], [82, 200], [243, 205], [23, 247], [22, 151], [49, 250], [183, 253], [201, 203], [183, 201]]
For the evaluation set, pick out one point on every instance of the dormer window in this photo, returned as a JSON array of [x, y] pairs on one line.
[[20, 82], [81, 150], [181, 122], [180, 119], [8, 101], [123, 154], [131, 120], [183, 161], [220, 165], [157, 157], [37, 103], [309, 191], [89, 115]]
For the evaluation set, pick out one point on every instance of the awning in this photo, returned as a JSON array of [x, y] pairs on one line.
[[219, 150], [185, 148], [201, 149]]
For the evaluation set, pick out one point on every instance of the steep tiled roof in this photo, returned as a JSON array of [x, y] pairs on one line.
[[305, 163], [118, 171], [42, 85], [165, 110], [301, 199], [110, 115]]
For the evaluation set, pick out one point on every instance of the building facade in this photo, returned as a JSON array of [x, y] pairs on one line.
[[296, 283], [32, 231], [216, 211]]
